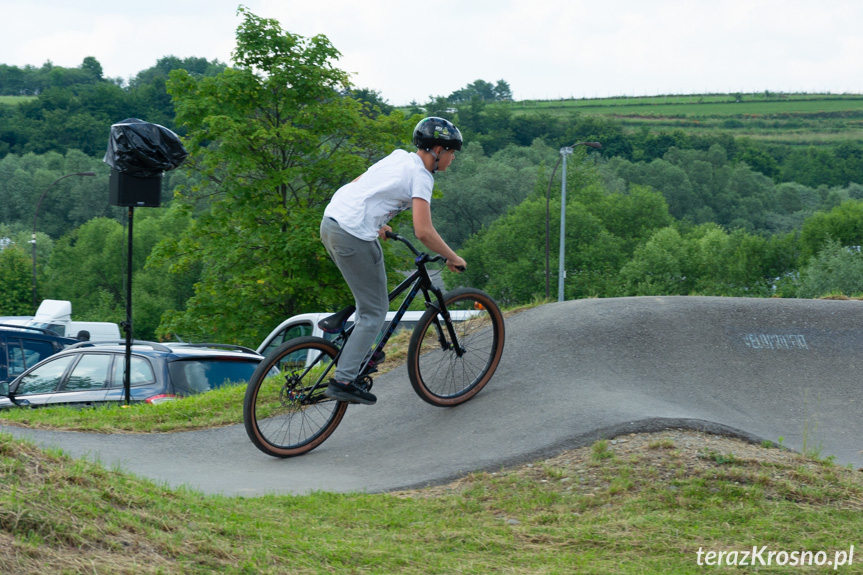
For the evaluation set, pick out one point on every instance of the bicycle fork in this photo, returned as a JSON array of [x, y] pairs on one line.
[[453, 342]]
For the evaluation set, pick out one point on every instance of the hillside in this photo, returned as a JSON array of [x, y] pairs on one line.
[[772, 117]]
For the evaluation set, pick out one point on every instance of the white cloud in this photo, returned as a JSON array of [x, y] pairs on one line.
[[546, 49]]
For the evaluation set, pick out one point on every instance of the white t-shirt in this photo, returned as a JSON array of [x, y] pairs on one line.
[[363, 206]]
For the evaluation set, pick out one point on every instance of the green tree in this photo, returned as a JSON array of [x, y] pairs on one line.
[[479, 189], [507, 257], [85, 265], [373, 103], [15, 280], [92, 66], [843, 224], [706, 260], [502, 91], [812, 167], [273, 137], [481, 89], [835, 270], [66, 205], [664, 265], [88, 268]]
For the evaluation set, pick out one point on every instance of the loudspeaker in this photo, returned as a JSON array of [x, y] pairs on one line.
[[127, 190]]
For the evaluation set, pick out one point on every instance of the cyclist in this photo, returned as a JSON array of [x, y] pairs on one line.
[[356, 219]]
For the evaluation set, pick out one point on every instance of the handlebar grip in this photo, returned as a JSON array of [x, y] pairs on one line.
[[392, 235]]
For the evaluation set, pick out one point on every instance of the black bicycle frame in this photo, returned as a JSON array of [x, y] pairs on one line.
[[418, 281]]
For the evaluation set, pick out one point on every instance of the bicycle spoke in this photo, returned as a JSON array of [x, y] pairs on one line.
[[451, 372], [285, 412]]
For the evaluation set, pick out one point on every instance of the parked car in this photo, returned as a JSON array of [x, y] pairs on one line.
[[22, 347], [89, 374]]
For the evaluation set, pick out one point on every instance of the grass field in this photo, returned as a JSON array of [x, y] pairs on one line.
[[780, 118], [666, 502], [14, 100]]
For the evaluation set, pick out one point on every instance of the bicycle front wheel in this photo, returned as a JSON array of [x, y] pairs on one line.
[[444, 372], [285, 411]]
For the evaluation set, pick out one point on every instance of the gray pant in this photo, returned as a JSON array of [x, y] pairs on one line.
[[362, 265]]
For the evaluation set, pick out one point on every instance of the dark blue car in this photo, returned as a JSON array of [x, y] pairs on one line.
[[92, 373], [22, 347]]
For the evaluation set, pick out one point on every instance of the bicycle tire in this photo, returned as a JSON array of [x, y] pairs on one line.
[[282, 415], [437, 373]]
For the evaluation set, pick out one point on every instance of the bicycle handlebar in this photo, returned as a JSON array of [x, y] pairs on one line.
[[436, 258]]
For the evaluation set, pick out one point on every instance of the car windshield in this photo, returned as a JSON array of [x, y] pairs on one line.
[[198, 375], [57, 328]]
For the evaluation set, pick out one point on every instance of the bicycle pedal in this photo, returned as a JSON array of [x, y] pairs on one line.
[[364, 383]]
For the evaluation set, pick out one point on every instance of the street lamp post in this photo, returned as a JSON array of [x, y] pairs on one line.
[[35, 213], [564, 152]]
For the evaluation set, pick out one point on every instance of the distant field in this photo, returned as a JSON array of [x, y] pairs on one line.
[[697, 108], [12, 100], [782, 118]]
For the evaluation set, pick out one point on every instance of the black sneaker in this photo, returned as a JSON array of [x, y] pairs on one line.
[[349, 392]]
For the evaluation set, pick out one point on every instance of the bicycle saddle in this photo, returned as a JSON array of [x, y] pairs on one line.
[[335, 323]]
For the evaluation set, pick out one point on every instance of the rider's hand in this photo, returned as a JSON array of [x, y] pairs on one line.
[[382, 233], [456, 264]]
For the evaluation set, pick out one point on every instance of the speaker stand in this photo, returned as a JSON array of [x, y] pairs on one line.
[[127, 325]]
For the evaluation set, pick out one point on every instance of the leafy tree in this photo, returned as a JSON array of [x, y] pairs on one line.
[[812, 167], [87, 263], [664, 265], [68, 204], [633, 215], [731, 264], [757, 158], [507, 257], [665, 177], [439, 106], [373, 103], [479, 189], [16, 289], [485, 91], [843, 224], [502, 91], [706, 260], [528, 128], [88, 268], [274, 138], [835, 270], [92, 66]]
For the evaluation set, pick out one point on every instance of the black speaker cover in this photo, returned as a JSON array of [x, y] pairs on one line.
[[127, 190]]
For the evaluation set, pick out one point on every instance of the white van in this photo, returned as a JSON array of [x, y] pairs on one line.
[[56, 315], [307, 324]]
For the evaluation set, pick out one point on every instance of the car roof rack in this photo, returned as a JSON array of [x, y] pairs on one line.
[[154, 345], [31, 328], [224, 346]]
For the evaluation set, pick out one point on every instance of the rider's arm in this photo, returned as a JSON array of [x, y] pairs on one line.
[[427, 234]]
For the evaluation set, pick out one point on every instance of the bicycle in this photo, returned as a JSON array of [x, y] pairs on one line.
[[285, 411]]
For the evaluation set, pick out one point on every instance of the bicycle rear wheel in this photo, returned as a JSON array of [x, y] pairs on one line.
[[284, 411], [438, 373]]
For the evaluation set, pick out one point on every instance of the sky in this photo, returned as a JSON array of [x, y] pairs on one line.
[[544, 49]]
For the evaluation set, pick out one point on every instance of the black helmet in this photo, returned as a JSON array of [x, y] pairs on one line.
[[431, 132]]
